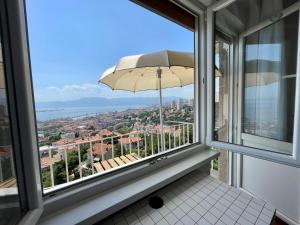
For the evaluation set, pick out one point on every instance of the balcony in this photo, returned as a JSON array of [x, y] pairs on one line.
[[107, 151]]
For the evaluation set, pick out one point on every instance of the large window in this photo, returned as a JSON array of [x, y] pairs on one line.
[[255, 67], [89, 126]]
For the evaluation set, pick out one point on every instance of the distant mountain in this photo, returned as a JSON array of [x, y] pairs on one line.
[[95, 101]]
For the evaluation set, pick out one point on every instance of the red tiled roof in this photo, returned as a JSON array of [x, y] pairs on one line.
[[105, 132], [46, 161], [128, 140], [100, 148], [63, 142]]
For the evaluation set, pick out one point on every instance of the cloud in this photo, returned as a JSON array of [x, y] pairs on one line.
[[68, 92], [77, 91]]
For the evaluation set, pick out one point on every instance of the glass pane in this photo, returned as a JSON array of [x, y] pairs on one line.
[[222, 56], [244, 14], [269, 62], [10, 211], [88, 127], [270, 80]]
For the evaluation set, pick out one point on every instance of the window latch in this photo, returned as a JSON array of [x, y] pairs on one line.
[[158, 160]]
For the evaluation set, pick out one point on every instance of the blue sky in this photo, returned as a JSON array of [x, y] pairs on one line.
[[73, 42]]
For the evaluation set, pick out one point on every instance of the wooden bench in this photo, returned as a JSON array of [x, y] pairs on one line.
[[8, 183], [115, 162]]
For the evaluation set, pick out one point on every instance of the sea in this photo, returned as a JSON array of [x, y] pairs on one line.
[[45, 114]]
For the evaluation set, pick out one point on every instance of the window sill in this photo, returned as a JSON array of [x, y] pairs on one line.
[[103, 204]]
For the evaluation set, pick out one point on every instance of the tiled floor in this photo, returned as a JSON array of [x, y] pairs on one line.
[[197, 199]]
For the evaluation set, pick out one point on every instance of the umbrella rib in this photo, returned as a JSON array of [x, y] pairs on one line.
[[136, 82], [121, 76], [177, 77]]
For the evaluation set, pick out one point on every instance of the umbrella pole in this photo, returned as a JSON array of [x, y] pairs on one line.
[[160, 111]]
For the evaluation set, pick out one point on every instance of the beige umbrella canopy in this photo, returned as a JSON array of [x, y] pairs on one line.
[[152, 71], [139, 72]]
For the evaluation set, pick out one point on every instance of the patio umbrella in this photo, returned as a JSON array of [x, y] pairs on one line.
[[152, 71]]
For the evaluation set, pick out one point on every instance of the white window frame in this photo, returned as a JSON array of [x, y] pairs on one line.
[[274, 155]]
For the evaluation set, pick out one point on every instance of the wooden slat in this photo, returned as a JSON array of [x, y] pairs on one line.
[[8, 183], [125, 160], [131, 158], [119, 161], [98, 167], [105, 165], [136, 156], [112, 163], [12, 183]]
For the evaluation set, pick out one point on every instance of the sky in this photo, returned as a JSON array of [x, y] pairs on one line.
[[73, 42]]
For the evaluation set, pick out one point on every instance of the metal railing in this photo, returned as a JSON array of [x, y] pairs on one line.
[[66, 163]]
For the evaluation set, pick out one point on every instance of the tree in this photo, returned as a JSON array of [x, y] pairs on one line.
[[59, 168], [54, 138]]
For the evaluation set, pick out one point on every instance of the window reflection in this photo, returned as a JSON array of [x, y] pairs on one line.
[[270, 80], [222, 54]]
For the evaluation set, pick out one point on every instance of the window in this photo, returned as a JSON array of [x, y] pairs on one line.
[[86, 128], [270, 83], [252, 103], [222, 88], [10, 210]]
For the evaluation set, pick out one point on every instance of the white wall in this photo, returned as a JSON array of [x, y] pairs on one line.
[[275, 183]]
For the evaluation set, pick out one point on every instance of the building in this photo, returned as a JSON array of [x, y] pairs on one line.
[[131, 142]]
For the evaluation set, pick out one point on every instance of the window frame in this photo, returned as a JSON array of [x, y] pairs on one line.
[[292, 160], [82, 190], [57, 200], [20, 106], [253, 139]]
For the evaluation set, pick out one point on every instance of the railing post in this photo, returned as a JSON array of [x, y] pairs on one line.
[[92, 157], [138, 145], [79, 161], [174, 133], [164, 141], [112, 148], [145, 144], [51, 167], [12, 163], [188, 133], [66, 164], [193, 133], [130, 147], [122, 153], [179, 136], [102, 150], [183, 135], [158, 147], [170, 138], [152, 143]]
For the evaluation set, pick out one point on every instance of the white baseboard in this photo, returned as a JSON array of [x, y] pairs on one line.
[[286, 219], [279, 214]]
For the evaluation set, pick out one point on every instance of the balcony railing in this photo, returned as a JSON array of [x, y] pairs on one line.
[[93, 155]]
